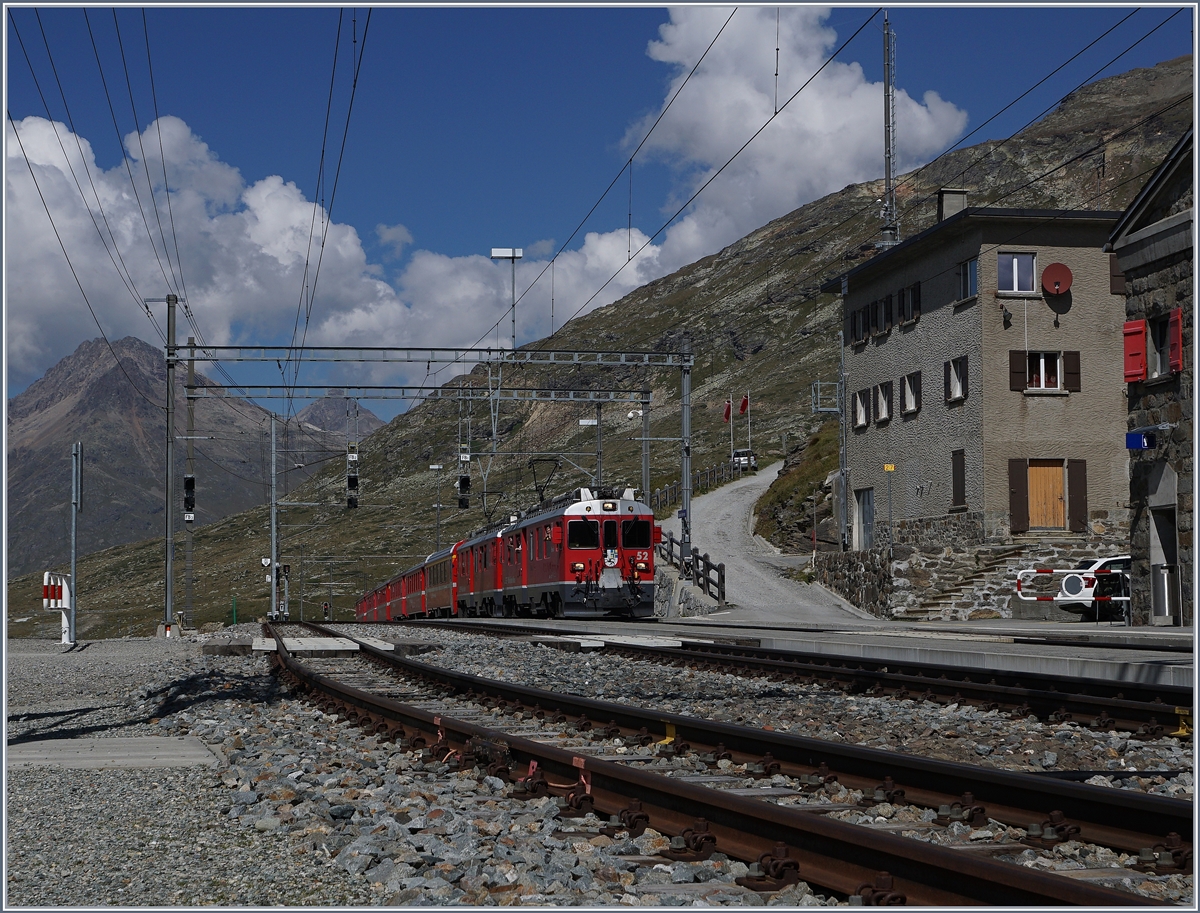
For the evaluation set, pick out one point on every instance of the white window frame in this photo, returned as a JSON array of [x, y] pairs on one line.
[[883, 402], [1158, 347], [1014, 277], [968, 279], [861, 408], [956, 379], [910, 404], [1041, 371]]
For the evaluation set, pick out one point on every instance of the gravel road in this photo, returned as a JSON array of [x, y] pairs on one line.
[[754, 570]]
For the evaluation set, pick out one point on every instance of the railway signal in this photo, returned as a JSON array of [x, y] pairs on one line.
[[352, 475], [464, 491]]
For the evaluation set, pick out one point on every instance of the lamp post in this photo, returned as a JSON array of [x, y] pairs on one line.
[[514, 254]]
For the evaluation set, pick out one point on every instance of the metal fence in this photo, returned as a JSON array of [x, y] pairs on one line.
[[702, 480], [705, 575]]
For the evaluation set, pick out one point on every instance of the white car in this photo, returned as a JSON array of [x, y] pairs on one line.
[[1078, 589], [746, 459]]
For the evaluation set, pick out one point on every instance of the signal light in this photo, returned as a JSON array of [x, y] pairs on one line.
[[464, 503], [352, 482], [351, 501], [189, 493], [464, 484]]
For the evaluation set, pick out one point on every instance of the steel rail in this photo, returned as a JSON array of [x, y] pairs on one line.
[[840, 857], [1131, 704], [1127, 820]]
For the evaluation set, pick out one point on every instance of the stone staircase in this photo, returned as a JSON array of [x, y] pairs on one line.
[[980, 582]]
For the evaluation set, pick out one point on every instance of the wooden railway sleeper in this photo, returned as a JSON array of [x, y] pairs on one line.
[[695, 844], [879, 893], [772, 872]]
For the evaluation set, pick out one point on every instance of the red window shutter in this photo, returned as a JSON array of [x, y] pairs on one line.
[[1135, 350], [1175, 340]]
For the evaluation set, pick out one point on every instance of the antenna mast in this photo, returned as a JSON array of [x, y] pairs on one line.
[[891, 227]]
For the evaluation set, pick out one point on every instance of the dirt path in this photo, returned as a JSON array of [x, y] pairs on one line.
[[754, 570]]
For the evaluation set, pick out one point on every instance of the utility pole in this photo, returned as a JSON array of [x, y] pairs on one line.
[[169, 619], [685, 420], [646, 444], [437, 467], [599, 446], [891, 228], [76, 509], [189, 485], [274, 556]]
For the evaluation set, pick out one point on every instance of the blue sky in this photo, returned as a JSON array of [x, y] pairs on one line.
[[473, 128]]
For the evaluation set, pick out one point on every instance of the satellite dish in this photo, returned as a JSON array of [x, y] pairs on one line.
[[1056, 278]]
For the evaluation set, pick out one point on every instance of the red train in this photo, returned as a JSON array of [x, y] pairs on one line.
[[582, 555]]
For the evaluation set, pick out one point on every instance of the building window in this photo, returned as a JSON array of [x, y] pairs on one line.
[[909, 303], [883, 402], [1164, 344], [968, 279], [862, 408], [1014, 272], [876, 324], [956, 379], [912, 393], [1042, 371], [886, 305]]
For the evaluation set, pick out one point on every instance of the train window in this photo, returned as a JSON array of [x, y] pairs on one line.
[[635, 533], [610, 533], [583, 534]]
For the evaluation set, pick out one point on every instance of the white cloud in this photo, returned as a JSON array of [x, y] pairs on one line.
[[394, 237], [831, 135], [251, 250]]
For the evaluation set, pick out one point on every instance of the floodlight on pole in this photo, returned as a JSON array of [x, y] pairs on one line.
[[514, 254]]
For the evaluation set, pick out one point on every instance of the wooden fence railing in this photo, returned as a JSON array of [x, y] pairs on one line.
[[702, 480], [707, 576]]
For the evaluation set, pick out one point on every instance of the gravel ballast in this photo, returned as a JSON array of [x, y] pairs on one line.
[[309, 810]]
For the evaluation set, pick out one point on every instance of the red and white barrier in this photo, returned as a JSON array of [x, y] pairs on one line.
[[56, 596], [1040, 571]]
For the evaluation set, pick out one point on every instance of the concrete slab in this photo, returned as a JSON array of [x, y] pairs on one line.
[[308, 646], [374, 642], [122, 752]]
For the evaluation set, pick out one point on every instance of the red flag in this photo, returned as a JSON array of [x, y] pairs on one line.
[[745, 404], [728, 408]]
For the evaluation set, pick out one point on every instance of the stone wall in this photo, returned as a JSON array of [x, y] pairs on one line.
[[932, 533], [862, 578]]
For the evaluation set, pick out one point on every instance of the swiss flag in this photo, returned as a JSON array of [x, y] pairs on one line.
[[728, 408], [745, 404]]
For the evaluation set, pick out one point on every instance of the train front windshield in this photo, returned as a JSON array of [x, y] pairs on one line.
[[635, 533]]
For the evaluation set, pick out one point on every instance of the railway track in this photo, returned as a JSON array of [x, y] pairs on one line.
[[572, 748], [1148, 710]]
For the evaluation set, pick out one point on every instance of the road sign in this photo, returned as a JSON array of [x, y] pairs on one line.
[[266, 562], [1135, 440]]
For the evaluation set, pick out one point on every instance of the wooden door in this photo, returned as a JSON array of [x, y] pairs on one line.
[[1046, 507]]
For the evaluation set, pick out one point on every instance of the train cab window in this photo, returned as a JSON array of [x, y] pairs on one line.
[[610, 533], [583, 534], [635, 533]]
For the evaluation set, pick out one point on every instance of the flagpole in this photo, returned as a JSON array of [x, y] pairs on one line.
[[731, 427], [748, 446]]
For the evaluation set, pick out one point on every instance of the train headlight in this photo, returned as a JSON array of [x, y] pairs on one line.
[[641, 566], [578, 566], [610, 505]]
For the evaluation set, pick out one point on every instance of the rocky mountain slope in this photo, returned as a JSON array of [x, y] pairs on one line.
[[339, 415], [117, 412], [757, 323]]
